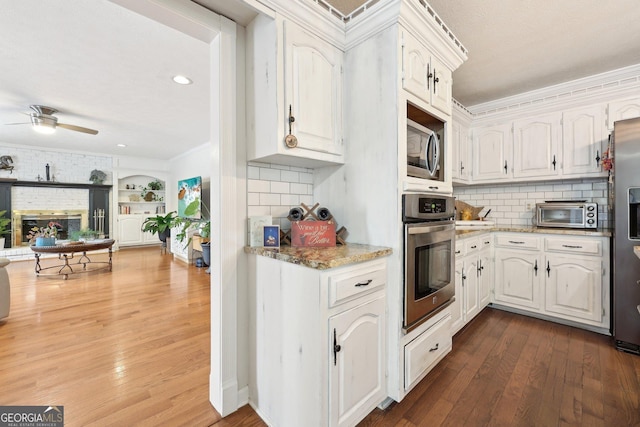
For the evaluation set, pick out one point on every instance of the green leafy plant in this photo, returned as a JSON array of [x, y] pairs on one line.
[[160, 224], [84, 234], [201, 225], [51, 230], [4, 223], [155, 185]]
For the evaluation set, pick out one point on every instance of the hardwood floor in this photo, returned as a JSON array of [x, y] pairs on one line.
[[511, 370], [131, 347]]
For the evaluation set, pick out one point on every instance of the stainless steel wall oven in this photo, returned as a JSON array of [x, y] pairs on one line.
[[429, 237]]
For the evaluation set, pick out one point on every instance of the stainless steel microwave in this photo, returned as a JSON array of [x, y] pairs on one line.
[[567, 214], [425, 153]]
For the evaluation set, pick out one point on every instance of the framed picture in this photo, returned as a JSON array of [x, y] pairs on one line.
[[271, 236], [256, 229], [189, 198]]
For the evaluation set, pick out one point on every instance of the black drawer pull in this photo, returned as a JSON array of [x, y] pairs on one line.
[[364, 283], [434, 348], [572, 246], [474, 246], [516, 243]]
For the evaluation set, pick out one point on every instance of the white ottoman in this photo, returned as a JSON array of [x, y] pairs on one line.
[[5, 291]]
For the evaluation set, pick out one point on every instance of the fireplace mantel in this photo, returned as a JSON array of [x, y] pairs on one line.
[[55, 184]]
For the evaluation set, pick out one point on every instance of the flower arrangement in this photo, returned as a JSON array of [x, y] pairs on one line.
[[51, 230], [606, 161]]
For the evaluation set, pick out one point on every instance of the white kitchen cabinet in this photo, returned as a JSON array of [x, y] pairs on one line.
[[318, 340], [583, 141], [356, 378], [423, 75], [485, 265], [461, 151], [294, 86], [536, 146], [518, 271], [621, 110], [492, 153], [573, 287], [473, 279], [558, 277]]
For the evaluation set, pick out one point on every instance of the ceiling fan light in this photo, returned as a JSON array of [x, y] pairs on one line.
[[182, 80], [44, 128]]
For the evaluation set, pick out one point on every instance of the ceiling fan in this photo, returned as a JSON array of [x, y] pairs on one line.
[[44, 121]]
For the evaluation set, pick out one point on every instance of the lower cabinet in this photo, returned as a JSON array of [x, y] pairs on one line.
[[563, 277], [473, 279], [130, 231], [317, 342]]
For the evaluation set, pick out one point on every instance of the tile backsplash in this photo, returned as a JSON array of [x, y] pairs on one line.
[[275, 189], [514, 204]]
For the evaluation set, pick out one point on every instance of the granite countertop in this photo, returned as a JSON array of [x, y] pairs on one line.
[[636, 250], [322, 258], [599, 232]]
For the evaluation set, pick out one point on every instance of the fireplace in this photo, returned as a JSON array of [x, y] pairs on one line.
[[68, 221]]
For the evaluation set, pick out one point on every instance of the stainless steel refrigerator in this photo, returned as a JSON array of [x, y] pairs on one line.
[[626, 235]]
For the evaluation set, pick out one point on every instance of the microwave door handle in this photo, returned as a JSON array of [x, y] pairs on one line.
[[432, 163]]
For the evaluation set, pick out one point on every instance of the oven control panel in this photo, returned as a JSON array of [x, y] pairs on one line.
[[427, 207], [432, 205]]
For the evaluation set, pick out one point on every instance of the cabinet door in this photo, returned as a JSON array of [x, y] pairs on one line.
[[313, 90], [441, 84], [471, 290], [574, 287], [518, 275], [621, 110], [129, 230], [357, 362], [415, 68], [457, 307], [460, 164], [485, 279], [536, 144], [491, 153], [583, 139]]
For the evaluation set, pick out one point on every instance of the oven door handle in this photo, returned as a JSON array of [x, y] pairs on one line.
[[431, 228]]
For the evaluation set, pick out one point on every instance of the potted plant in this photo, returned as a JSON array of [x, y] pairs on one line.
[[161, 225], [4, 224], [44, 236], [155, 185], [202, 227]]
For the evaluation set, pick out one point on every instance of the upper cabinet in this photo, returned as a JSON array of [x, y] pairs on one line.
[[492, 153], [621, 110], [583, 141], [536, 146], [424, 76], [294, 102]]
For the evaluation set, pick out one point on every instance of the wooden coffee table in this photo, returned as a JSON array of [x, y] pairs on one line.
[[66, 253]]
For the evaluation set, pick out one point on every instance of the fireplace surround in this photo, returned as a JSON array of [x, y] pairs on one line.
[[68, 220]]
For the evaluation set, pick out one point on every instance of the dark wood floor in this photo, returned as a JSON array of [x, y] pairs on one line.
[[511, 370], [132, 347]]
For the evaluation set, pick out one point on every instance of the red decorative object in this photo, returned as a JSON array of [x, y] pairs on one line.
[[313, 233]]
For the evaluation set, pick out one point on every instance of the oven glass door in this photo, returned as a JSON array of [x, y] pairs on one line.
[[429, 268]]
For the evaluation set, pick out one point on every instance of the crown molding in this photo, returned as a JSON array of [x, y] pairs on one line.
[[615, 84]]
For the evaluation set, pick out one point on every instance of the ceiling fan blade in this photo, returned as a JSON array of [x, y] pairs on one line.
[[22, 123], [77, 128]]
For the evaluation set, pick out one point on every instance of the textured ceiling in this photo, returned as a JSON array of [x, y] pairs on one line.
[[520, 45]]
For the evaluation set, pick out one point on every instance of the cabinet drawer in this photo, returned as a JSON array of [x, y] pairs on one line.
[[471, 246], [355, 282], [518, 241], [578, 246], [460, 251], [426, 350]]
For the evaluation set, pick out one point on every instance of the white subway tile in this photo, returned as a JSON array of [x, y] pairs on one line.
[[576, 187], [300, 189], [253, 199], [280, 187], [306, 178], [290, 176], [269, 174], [269, 199], [290, 199], [258, 186], [279, 211], [258, 210], [253, 172]]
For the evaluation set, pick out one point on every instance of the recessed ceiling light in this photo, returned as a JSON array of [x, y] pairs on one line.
[[182, 80], [121, 145]]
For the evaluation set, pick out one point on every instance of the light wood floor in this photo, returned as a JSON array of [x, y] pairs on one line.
[[131, 347]]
